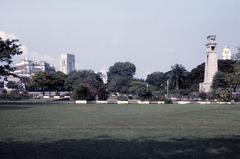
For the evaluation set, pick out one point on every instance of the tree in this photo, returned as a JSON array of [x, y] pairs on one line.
[[195, 77], [219, 81], [157, 79], [83, 92], [87, 76], [223, 95], [226, 66], [233, 79], [141, 89], [103, 93], [120, 75], [40, 81], [178, 75], [8, 48], [58, 80], [88, 82]]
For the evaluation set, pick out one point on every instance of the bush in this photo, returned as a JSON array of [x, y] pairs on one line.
[[223, 95], [103, 93], [83, 92], [14, 95], [122, 98], [168, 101]]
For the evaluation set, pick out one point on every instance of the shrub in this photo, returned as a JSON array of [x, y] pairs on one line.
[[14, 95], [83, 92], [223, 95], [168, 101]]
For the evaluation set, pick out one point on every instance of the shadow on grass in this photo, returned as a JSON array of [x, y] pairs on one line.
[[216, 148], [10, 107]]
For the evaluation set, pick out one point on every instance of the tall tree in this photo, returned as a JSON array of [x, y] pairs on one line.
[[157, 79], [178, 75], [86, 76], [233, 79], [86, 84], [8, 48], [219, 81], [58, 80], [120, 75]]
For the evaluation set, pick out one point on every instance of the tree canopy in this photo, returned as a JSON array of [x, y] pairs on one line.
[[8, 48], [119, 76], [178, 76], [157, 79]]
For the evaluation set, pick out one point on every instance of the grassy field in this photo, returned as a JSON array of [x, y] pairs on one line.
[[119, 131]]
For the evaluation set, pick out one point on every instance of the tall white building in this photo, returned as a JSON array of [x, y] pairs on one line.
[[211, 64], [67, 63], [27, 68], [226, 55]]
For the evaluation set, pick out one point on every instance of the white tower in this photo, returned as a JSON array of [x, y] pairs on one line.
[[211, 64], [226, 55], [67, 63]]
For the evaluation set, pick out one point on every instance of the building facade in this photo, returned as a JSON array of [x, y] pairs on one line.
[[67, 63], [211, 64], [27, 68], [227, 54]]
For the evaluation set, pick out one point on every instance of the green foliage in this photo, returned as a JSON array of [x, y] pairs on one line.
[[88, 82], [119, 76], [178, 76], [58, 80], [8, 48], [141, 89], [233, 79], [83, 76], [219, 81], [223, 95], [14, 95], [195, 77], [168, 101], [47, 81], [124, 69], [226, 66], [40, 81], [159, 95], [103, 93], [203, 95], [157, 79], [83, 92]]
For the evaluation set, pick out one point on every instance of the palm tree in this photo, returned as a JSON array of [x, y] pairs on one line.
[[178, 75]]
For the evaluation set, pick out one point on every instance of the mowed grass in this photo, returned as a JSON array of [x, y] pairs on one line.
[[119, 131]]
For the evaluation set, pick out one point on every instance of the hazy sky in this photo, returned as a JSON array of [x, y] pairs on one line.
[[153, 34]]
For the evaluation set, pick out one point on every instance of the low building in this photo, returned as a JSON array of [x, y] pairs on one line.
[[27, 68]]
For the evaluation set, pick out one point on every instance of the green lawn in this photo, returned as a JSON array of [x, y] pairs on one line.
[[119, 131]]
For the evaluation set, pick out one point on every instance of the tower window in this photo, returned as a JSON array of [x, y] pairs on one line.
[[212, 48]]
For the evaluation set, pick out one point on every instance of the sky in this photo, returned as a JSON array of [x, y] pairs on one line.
[[152, 34]]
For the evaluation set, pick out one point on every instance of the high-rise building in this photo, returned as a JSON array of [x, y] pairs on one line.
[[211, 64], [226, 55], [67, 63]]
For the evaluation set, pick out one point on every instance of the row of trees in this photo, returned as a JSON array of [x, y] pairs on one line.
[[86, 84]]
